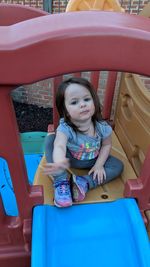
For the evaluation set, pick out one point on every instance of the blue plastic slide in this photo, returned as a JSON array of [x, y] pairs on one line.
[[90, 235]]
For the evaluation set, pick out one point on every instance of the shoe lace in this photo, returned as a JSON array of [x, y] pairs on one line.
[[62, 187]]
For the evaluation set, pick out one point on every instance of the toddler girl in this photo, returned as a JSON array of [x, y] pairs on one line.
[[82, 140]]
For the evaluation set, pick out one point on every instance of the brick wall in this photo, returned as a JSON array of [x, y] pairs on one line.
[[131, 6], [40, 92], [32, 3]]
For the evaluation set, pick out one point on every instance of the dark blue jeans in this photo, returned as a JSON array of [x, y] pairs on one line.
[[113, 166]]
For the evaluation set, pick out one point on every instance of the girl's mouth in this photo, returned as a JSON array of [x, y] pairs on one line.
[[84, 112]]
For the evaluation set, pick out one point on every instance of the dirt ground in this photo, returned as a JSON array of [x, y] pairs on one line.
[[31, 117]]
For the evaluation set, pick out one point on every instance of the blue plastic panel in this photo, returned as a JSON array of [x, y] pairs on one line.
[[33, 142], [90, 235], [6, 187]]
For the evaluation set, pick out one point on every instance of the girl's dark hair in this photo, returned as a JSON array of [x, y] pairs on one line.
[[60, 100]]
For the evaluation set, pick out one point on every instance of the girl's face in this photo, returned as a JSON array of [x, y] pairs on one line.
[[79, 103]]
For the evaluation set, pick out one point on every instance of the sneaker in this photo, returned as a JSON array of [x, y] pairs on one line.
[[62, 194], [79, 187]]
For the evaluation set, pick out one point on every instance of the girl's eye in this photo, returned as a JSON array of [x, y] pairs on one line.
[[87, 99], [74, 102]]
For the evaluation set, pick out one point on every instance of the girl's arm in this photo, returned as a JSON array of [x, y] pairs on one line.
[[98, 169], [104, 151], [59, 151], [60, 162]]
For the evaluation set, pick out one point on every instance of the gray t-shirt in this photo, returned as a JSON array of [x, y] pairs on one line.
[[81, 146]]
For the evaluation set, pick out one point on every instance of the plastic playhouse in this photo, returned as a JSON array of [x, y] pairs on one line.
[[110, 228]]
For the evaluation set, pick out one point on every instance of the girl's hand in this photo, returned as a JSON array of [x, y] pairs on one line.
[[56, 167], [98, 173]]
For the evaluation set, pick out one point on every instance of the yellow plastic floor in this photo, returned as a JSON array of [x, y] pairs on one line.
[[108, 192]]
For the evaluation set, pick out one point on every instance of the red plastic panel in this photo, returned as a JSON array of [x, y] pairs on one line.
[[11, 14], [71, 42], [140, 188], [15, 236]]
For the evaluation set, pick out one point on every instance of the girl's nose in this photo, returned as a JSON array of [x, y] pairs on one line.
[[82, 104]]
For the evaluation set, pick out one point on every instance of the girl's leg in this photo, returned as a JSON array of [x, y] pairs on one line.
[[49, 145], [62, 194], [80, 184], [113, 168]]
